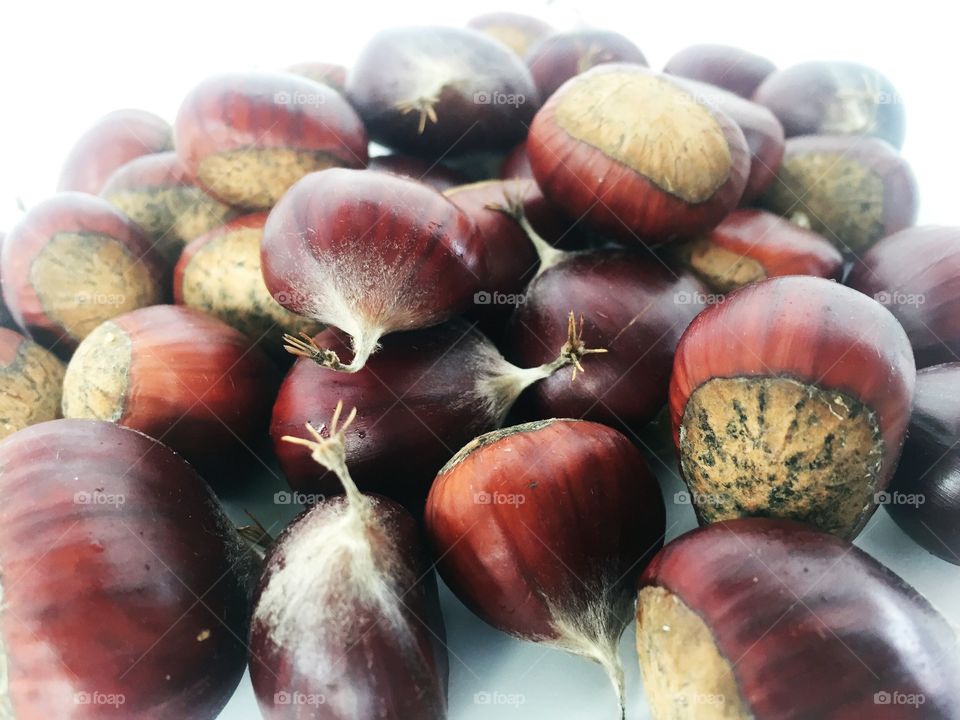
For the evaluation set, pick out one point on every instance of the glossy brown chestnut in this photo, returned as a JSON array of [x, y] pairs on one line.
[[752, 245], [601, 149], [542, 530], [924, 496], [324, 73], [851, 190], [559, 57], [176, 374], [157, 193], [915, 273], [437, 176], [730, 68], [113, 141], [125, 587], [516, 166], [31, 379], [346, 622], [518, 32], [370, 253], [74, 261], [771, 620], [834, 98], [441, 91], [247, 137], [790, 399]]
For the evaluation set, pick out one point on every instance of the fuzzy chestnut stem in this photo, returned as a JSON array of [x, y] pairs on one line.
[[426, 106], [364, 346], [513, 208]]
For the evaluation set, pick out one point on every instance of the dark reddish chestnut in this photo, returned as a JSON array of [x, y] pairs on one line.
[[790, 399], [125, 587], [346, 621], [157, 193], [557, 58], [324, 73], [115, 140], [637, 155], [31, 380], [439, 91], [518, 32], [248, 137], [370, 253], [916, 274], [834, 98], [74, 261], [924, 496], [542, 530], [437, 176], [516, 166], [176, 374], [771, 620], [752, 245], [851, 190], [730, 68]]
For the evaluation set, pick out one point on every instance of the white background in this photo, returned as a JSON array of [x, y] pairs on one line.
[[63, 65]]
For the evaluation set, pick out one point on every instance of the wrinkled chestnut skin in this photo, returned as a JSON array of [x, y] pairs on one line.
[[107, 541], [368, 674], [633, 307], [930, 465], [730, 68], [113, 141], [518, 32], [557, 58], [812, 626], [915, 273], [437, 176], [325, 73]]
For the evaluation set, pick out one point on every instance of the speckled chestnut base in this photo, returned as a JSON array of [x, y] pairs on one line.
[[720, 268], [96, 388], [31, 380]]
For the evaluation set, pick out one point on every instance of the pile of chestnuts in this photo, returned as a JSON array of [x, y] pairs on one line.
[[457, 351]]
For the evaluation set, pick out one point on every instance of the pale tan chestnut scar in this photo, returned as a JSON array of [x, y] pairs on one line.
[[775, 447], [652, 127], [723, 269], [684, 674], [97, 378], [83, 279], [30, 388]]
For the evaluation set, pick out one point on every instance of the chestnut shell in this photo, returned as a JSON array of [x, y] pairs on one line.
[[730, 68]]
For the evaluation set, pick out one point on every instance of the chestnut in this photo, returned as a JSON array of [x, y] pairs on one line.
[[834, 98], [437, 176], [559, 57], [752, 245], [851, 190], [730, 68], [637, 155], [765, 618], [924, 496], [518, 32], [32, 380], [6, 319], [516, 165], [74, 261], [790, 399], [113, 141], [915, 273], [330, 74], [219, 273], [542, 530], [125, 587], [247, 137], [441, 91], [346, 621], [176, 374]]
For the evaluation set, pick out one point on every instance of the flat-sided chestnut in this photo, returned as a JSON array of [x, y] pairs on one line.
[[730, 68], [790, 399], [324, 73], [924, 496], [440, 91], [542, 530], [851, 190], [771, 620], [637, 155], [437, 176], [834, 98], [176, 374], [31, 379], [752, 245], [125, 587], [346, 622], [74, 261], [157, 193], [370, 253], [916, 274], [248, 137], [559, 57], [113, 141], [518, 32]]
